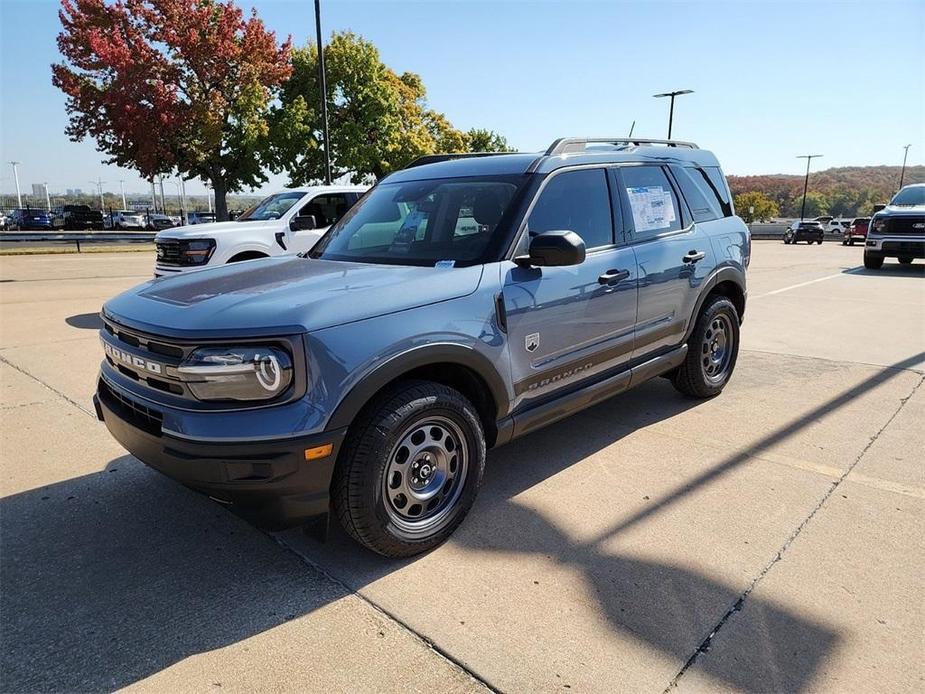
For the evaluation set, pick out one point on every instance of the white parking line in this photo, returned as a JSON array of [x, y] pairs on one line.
[[804, 284]]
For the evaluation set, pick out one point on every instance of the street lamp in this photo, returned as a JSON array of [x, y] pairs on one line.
[[99, 186], [47, 196], [671, 109], [122, 189], [16, 178], [808, 158], [324, 96], [902, 174]]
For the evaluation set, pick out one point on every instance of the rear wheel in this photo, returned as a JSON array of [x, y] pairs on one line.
[[873, 262], [712, 350], [410, 469], [819, 242], [905, 259]]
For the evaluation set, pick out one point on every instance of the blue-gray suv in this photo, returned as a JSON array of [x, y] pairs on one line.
[[461, 303]]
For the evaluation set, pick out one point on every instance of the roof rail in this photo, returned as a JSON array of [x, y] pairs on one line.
[[570, 145], [434, 158]]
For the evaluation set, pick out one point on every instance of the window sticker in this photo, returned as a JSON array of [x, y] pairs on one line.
[[653, 207]]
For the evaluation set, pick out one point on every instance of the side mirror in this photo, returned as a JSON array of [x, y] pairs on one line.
[[554, 249], [877, 208], [303, 222]]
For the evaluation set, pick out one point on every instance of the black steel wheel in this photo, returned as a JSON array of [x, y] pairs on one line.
[[410, 469], [905, 259]]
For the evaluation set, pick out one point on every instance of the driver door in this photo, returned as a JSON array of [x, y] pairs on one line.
[[326, 208], [568, 323]]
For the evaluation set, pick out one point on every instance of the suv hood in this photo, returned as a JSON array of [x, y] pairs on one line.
[[283, 295], [903, 209], [213, 229]]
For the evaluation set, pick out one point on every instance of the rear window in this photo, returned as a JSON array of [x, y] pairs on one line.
[[720, 187], [704, 203]]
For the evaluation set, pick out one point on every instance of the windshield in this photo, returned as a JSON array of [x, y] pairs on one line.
[[269, 208], [421, 222], [913, 195]]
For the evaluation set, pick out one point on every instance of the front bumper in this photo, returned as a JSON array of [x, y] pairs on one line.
[[268, 480], [895, 246]]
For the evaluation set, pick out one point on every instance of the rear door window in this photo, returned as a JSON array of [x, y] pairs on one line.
[[717, 182], [652, 201]]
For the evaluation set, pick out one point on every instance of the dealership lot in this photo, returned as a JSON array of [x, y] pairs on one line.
[[769, 539]]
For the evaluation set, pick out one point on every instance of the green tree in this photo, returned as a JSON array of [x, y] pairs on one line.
[[754, 206], [481, 140], [816, 204], [379, 120]]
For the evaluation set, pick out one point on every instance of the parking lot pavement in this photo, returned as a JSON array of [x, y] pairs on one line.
[[769, 539]]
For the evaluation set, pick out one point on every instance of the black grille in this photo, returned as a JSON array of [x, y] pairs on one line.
[[906, 225], [140, 416], [168, 252]]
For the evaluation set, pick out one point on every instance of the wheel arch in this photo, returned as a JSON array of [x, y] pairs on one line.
[[456, 366], [247, 254], [727, 281]]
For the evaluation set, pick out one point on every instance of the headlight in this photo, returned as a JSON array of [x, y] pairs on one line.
[[197, 252], [237, 373], [879, 226]]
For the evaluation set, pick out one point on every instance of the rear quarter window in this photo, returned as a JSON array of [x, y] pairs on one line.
[[704, 204], [720, 188]]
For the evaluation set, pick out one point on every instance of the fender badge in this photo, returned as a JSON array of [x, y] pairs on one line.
[[532, 342]]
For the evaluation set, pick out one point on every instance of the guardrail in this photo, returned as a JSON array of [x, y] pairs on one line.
[[78, 238]]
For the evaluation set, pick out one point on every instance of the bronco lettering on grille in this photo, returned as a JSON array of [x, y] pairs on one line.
[[132, 360]]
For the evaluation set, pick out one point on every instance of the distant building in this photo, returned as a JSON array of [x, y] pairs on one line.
[[75, 191], [38, 190]]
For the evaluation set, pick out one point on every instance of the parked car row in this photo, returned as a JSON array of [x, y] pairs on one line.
[[85, 218]]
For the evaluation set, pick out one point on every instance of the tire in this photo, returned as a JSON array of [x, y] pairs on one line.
[[379, 491], [850, 242], [844, 242], [905, 259], [873, 262], [710, 359], [819, 242]]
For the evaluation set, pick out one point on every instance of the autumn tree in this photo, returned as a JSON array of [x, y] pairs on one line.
[[165, 85], [379, 120], [754, 205]]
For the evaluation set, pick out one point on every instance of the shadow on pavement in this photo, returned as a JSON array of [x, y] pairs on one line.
[[112, 577], [85, 321], [891, 269]]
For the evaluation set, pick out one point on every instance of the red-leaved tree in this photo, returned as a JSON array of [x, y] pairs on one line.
[[165, 85]]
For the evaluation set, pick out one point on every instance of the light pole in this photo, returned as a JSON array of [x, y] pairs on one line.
[[324, 96], [671, 108], [808, 158], [122, 190], [99, 186], [902, 174], [16, 178], [47, 197]]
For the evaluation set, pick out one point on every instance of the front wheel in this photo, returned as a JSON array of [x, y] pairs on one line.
[[712, 350], [905, 259], [410, 469], [819, 242], [873, 262]]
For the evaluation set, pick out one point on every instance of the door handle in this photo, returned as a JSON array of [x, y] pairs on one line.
[[612, 277], [694, 256]]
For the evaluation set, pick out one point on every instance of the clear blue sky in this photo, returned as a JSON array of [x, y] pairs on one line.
[[772, 79]]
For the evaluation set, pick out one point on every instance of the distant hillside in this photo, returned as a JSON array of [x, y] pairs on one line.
[[843, 191]]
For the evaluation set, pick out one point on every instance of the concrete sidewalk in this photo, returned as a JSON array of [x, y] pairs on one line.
[[767, 540]]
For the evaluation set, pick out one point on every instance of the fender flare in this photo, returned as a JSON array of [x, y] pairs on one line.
[[727, 273], [394, 367]]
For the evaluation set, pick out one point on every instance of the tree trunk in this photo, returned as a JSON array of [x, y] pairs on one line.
[[221, 203]]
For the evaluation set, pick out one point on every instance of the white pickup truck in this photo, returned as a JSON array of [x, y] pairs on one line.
[[290, 221]]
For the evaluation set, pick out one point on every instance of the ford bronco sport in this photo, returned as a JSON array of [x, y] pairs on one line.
[[461, 303], [898, 230]]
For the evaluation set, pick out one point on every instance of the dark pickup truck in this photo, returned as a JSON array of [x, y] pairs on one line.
[[76, 218]]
